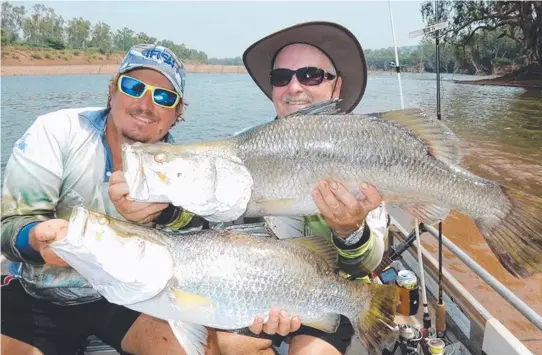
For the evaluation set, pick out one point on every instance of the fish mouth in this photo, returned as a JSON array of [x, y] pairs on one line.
[[298, 103], [134, 172], [77, 225]]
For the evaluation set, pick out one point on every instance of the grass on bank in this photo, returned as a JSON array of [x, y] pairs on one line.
[[21, 51]]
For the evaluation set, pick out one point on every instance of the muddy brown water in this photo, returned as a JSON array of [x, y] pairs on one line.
[[500, 129]]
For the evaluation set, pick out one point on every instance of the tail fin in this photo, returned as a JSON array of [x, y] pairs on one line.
[[516, 239], [377, 304]]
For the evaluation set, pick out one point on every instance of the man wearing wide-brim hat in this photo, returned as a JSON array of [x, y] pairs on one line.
[[298, 66], [336, 42]]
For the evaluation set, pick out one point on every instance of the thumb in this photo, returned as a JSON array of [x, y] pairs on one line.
[[51, 257], [372, 197]]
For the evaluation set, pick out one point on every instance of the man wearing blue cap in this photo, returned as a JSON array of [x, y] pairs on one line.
[[66, 158]]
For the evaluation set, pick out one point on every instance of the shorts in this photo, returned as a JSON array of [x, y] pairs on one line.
[[340, 340], [61, 330]]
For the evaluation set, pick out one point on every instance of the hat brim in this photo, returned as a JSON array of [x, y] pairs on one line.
[[337, 42]]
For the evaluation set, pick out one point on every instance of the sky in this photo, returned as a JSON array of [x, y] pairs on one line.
[[226, 29]]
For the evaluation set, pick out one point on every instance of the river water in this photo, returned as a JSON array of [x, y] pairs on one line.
[[500, 129]]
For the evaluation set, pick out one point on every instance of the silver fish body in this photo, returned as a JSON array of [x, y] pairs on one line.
[[411, 158], [221, 279]]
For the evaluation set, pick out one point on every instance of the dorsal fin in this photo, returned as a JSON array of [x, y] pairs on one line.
[[441, 142], [329, 107], [318, 245]]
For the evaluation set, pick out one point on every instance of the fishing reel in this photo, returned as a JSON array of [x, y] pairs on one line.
[[411, 341], [408, 341]]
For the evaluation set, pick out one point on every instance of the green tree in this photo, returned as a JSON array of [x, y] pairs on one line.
[[43, 26], [12, 22], [78, 32], [102, 38], [124, 39], [225, 61], [519, 21], [142, 37]]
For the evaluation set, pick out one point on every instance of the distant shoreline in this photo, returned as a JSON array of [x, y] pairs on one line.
[[111, 69], [529, 83], [17, 61], [88, 69]]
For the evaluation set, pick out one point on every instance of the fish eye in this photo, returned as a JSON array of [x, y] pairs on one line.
[[160, 157], [103, 221]]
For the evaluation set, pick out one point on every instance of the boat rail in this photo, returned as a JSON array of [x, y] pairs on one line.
[[509, 296], [467, 318]]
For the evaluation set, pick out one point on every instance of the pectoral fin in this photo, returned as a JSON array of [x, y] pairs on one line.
[[328, 324], [193, 307], [318, 245], [276, 206], [187, 299]]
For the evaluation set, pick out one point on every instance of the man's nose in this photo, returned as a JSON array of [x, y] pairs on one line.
[[295, 86], [147, 101]]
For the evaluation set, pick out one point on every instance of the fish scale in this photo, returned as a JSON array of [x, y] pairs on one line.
[[255, 265], [409, 156]]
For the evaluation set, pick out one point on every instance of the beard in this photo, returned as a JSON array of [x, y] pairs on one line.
[[132, 137], [134, 134]]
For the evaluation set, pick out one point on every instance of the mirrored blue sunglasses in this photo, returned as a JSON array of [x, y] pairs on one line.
[[137, 88]]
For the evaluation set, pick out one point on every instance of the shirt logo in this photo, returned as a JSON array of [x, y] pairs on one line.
[[21, 143]]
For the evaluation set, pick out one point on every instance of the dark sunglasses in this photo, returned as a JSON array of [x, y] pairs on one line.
[[306, 76], [136, 88]]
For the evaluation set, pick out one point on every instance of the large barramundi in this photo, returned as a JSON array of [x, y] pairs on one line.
[[221, 279], [411, 158]]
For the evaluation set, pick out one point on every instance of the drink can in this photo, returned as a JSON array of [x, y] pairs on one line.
[[436, 346], [407, 279]]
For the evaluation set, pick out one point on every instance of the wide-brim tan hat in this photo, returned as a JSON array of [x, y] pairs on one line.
[[337, 42]]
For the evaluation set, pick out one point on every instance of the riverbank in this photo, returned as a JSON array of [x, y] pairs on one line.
[[23, 70], [528, 78], [46, 61], [502, 81]]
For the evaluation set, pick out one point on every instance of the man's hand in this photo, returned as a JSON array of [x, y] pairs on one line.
[[44, 233], [279, 322], [342, 211], [133, 211]]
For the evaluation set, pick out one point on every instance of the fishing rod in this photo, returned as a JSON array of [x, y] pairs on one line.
[[441, 308], [397, 65], [426, 315]]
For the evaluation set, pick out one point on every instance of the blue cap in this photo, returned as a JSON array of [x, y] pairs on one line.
[[159, 58]]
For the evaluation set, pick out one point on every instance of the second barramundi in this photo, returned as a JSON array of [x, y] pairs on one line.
[[221, 279]]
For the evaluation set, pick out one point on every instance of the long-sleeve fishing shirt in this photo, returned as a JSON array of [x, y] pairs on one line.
[[61, 161]]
